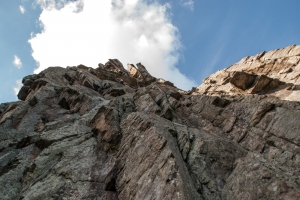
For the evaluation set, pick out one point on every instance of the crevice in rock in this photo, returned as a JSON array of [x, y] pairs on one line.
[[111, 185], [33, 101], [69, 78], [37, 84], [10, 166], [64, 104], [220, 102], [24, 142], [42, 144], [285, 139], [242, 138]]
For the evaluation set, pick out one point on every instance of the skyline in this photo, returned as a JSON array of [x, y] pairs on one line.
[[187, 40]]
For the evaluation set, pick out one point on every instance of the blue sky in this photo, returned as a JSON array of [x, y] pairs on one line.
[[181, 40]]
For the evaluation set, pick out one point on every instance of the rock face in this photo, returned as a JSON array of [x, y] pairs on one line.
[[276, 72], [109, 133]]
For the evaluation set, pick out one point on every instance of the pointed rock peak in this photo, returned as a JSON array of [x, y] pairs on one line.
[[140, 73], [145, 74], [133, 71], [114, 65], [164, 82]]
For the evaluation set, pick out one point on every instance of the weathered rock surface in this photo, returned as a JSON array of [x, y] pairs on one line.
[[109, 133], [276, 72]]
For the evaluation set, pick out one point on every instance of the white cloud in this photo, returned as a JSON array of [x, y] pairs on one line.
[[22, 9], [17, 87], [17, 62], [188, 4], [88, 32], [57, 4]]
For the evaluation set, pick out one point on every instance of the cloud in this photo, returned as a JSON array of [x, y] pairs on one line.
[[17, 86], [88, 32], [188, 4], [17, 62], [57, 4], [22, 9]]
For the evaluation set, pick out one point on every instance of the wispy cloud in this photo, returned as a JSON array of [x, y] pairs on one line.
[[188, 4], [130, 30], [17, 87], [22, 9], [17, 62]]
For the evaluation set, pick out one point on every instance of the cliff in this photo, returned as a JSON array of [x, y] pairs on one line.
[[110, 133]]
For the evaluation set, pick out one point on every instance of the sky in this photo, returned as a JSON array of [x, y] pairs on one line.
[[182, 41]]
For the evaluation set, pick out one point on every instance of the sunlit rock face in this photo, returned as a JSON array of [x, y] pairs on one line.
[[276, 73], [111, 133]]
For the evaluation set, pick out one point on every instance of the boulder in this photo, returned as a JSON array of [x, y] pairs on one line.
[[242, 80]]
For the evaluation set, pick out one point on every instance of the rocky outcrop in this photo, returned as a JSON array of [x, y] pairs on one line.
[[276, 72], [111, 133]]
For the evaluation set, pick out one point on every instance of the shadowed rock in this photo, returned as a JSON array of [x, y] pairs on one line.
[[242, 80]]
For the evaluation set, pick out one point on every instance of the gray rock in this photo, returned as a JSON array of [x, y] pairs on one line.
[[106, 133]]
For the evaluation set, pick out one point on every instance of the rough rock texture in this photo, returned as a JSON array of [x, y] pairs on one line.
[[109, 133], [276, 72]]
